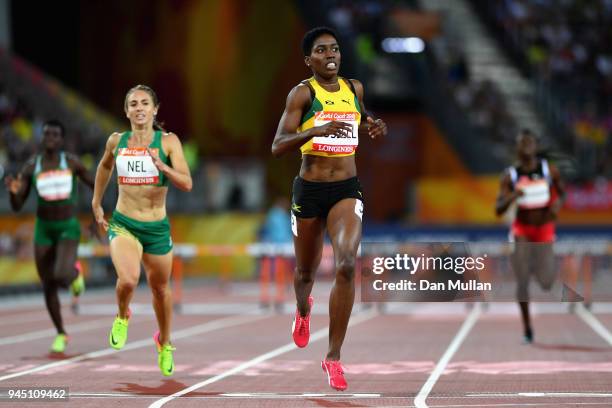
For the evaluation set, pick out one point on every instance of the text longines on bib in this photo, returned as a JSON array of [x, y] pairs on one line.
[[339, 144]]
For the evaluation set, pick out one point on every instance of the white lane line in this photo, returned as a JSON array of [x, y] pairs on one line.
[[281, 395], [590, 319], [511, 405], [555, 404], [342, 396], [41, 334], [235, 395], [318, 335], [20, 302], [454, 345], [566, 394], [28, 317], [234, 308], [148, 342], [539, 394]]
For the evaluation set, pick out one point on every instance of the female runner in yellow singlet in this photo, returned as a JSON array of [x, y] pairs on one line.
[[323, 118]]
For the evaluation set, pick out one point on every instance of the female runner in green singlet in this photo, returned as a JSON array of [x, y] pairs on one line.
[[147, 160], [53, 174]]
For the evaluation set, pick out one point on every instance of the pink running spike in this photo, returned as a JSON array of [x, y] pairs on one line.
[[335, 374], [301, 326]]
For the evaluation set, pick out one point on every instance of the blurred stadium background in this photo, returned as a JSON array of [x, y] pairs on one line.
[[454, 80]]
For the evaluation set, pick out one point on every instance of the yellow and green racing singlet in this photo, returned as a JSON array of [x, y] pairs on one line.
[[341, 106]]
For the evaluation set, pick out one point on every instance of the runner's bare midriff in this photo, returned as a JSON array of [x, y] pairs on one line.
[[321, 168], [55, 212], [142, 203], [538, 216]]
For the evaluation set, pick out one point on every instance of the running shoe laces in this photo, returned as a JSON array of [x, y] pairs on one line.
[[301, 327], [336, 367], [77, 287], [165, 358], [59, 343], [335, 374], [119, 332]]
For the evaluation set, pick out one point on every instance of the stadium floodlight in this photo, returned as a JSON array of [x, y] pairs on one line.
[[395, 45]]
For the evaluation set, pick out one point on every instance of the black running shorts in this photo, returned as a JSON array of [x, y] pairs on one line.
[[315, 199]]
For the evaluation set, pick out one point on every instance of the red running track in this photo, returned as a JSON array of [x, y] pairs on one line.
[[242, 357]]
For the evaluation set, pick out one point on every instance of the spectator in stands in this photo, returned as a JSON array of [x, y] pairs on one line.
[[566, 44]]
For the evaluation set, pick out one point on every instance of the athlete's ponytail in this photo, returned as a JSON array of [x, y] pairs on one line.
[[159, 125], [566, 164]]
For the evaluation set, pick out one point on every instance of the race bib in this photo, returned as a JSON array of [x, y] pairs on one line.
[[337, 144], [54, 185], [536, 193], [135, 166]]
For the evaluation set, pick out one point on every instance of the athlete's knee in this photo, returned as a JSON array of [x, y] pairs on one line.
[[159, 290], [547, 284], [127, 284], [522, 292], [304, 274], [345, 266], [547, 275], [62, 275], [49, 285]]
